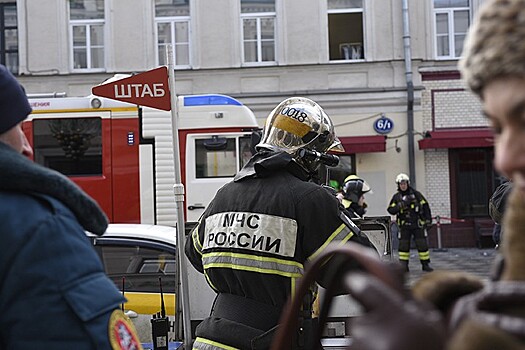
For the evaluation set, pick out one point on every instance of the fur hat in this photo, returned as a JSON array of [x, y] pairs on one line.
[[495, 44], [14, 106]]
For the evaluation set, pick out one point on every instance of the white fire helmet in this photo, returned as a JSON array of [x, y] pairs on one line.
[[402, 177], [299, 123]]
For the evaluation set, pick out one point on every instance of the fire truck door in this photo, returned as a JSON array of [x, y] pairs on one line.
[[79, 146], [211, 162]]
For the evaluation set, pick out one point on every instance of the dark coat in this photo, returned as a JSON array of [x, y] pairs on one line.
[[54, 293]]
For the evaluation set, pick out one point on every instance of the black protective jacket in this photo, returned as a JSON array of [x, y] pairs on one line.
[[255, 237], [411, 208]]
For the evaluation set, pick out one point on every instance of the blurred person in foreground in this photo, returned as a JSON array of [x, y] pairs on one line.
[[490, 315], [257, 234], [54, 293]]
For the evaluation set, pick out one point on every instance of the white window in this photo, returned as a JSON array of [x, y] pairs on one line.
[[345, 30], [451, 22], [172, 25], [86, 30], [258, 31]]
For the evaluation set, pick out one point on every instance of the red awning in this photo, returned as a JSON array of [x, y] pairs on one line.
[[457, 138], [364, 144]]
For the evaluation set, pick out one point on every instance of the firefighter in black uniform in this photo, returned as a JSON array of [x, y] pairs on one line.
[[254, 238], [354, 189], [413, 218]]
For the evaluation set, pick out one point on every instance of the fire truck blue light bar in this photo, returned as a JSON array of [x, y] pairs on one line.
[[210, 100]]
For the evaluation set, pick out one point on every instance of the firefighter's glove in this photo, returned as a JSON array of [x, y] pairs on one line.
[[427, 225], [390, 321]]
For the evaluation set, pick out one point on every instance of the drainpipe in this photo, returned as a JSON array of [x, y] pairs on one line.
[[410, 94]]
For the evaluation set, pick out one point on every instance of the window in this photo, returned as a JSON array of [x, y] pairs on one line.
[[217, 156], [473, 182], [70, 146], [9, 36], [172, 23], [86, 24], [345, 30], [258, 31], [139, 267], [336, 175], [451, 22]]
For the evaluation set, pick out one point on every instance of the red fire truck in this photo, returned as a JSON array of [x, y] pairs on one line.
[[122, 154]]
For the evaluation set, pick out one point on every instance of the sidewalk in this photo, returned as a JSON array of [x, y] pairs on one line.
[[472, 260]]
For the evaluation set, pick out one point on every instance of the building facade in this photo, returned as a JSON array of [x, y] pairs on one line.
[[385, 71]]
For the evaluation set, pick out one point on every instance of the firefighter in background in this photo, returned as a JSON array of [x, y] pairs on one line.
[[413, 218], [354, 189], [254, 238]]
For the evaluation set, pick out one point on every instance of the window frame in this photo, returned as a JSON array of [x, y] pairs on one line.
[[258, 16], [87, 23], [239, 141], [349, 10], [339, 172], [46, 153], [450, 12], [172, 21], [13, 68], [100, 243]]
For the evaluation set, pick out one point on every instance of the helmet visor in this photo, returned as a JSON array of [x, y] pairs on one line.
[[336, 146]]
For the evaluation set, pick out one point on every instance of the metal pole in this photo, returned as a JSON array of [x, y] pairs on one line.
[[178, 189], [410, 94], [438, 227], [438, 219]]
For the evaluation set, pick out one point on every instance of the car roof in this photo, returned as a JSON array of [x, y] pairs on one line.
[[160, 233]]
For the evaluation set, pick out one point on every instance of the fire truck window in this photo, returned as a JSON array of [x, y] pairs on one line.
[[139, 268], [215, 162], [70, 146]]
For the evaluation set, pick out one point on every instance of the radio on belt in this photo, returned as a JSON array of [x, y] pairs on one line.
[[160, 325]]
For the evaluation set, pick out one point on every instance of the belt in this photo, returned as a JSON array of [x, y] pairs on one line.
[[246, 311]]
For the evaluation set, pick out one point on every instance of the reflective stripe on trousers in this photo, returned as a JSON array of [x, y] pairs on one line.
[[206, 344]]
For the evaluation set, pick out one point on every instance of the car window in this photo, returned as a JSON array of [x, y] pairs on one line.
[[138, 268]]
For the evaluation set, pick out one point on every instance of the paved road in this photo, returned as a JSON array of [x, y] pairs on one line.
[[472, 260]]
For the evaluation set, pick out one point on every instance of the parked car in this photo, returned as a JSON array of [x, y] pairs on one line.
[[135, 256]]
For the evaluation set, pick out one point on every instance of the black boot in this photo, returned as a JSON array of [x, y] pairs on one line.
[[404, 264], [426, 266]]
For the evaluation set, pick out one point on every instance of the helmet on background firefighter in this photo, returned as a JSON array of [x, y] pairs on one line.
[[300, 123], [402, 177], [354, 187]]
